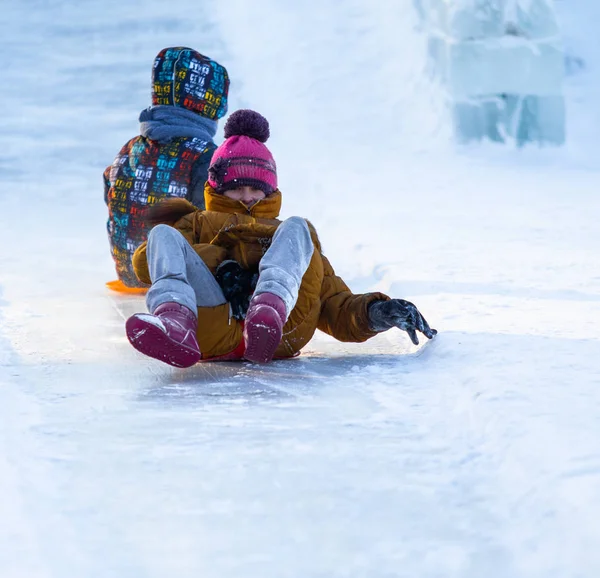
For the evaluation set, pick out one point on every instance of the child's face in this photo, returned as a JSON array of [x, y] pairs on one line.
[[247, 195]]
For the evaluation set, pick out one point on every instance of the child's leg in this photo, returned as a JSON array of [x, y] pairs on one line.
[[189, 314], [182, 281], [285, 262], [178, 274], [280, 275]]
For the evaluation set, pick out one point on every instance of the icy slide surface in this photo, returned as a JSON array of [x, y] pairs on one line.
[[477, 455]]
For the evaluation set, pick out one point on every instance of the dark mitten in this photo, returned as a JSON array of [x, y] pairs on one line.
[[238, 285], [401, 314]]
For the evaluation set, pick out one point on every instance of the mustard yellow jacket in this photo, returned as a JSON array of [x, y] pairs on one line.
[[227, 229]]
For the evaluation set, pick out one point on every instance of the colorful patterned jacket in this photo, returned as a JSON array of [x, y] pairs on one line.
[[143, 173]]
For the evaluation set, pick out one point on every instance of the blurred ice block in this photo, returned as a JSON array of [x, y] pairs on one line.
[[508, 64], [523, 119], [502, 63]]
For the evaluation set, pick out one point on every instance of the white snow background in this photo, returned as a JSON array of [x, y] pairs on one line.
[[475, 456]]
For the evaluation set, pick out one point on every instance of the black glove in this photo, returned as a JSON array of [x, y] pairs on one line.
[[238, 285], [401, 314]]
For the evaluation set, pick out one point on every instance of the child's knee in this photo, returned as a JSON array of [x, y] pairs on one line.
[[161, 230], [297, 228], [297, 224], [165, 234]]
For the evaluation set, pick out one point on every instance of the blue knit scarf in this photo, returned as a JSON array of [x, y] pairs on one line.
[[164, 123]]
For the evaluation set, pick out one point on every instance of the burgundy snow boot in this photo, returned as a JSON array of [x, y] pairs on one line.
[[169, 335], [263, 327]]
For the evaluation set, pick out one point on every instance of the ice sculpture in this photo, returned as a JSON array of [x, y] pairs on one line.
[[502, 63]]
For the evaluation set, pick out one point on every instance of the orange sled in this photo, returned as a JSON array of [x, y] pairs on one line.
[[120, 287]]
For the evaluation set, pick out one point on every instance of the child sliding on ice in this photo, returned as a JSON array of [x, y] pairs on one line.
[[233, 282], [170, 157]]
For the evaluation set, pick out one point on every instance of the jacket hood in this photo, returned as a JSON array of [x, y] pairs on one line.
[[268, 208], [185, 78]]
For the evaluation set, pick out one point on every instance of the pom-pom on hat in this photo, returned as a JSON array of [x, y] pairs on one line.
[[243, 159]]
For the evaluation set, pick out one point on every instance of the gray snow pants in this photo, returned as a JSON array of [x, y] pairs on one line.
[[179, 274]]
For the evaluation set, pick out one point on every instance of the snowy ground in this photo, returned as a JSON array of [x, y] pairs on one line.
[[477, 455]]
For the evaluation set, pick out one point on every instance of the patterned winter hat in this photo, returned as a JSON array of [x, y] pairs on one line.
[[243, 159], [183, 77]]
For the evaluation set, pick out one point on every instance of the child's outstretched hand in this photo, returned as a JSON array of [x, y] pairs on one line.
[[401, 314]]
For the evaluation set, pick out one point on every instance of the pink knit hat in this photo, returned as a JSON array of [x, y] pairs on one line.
[[243, 159]]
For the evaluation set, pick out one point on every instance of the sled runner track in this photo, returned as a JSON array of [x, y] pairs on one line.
[[126, 305]]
